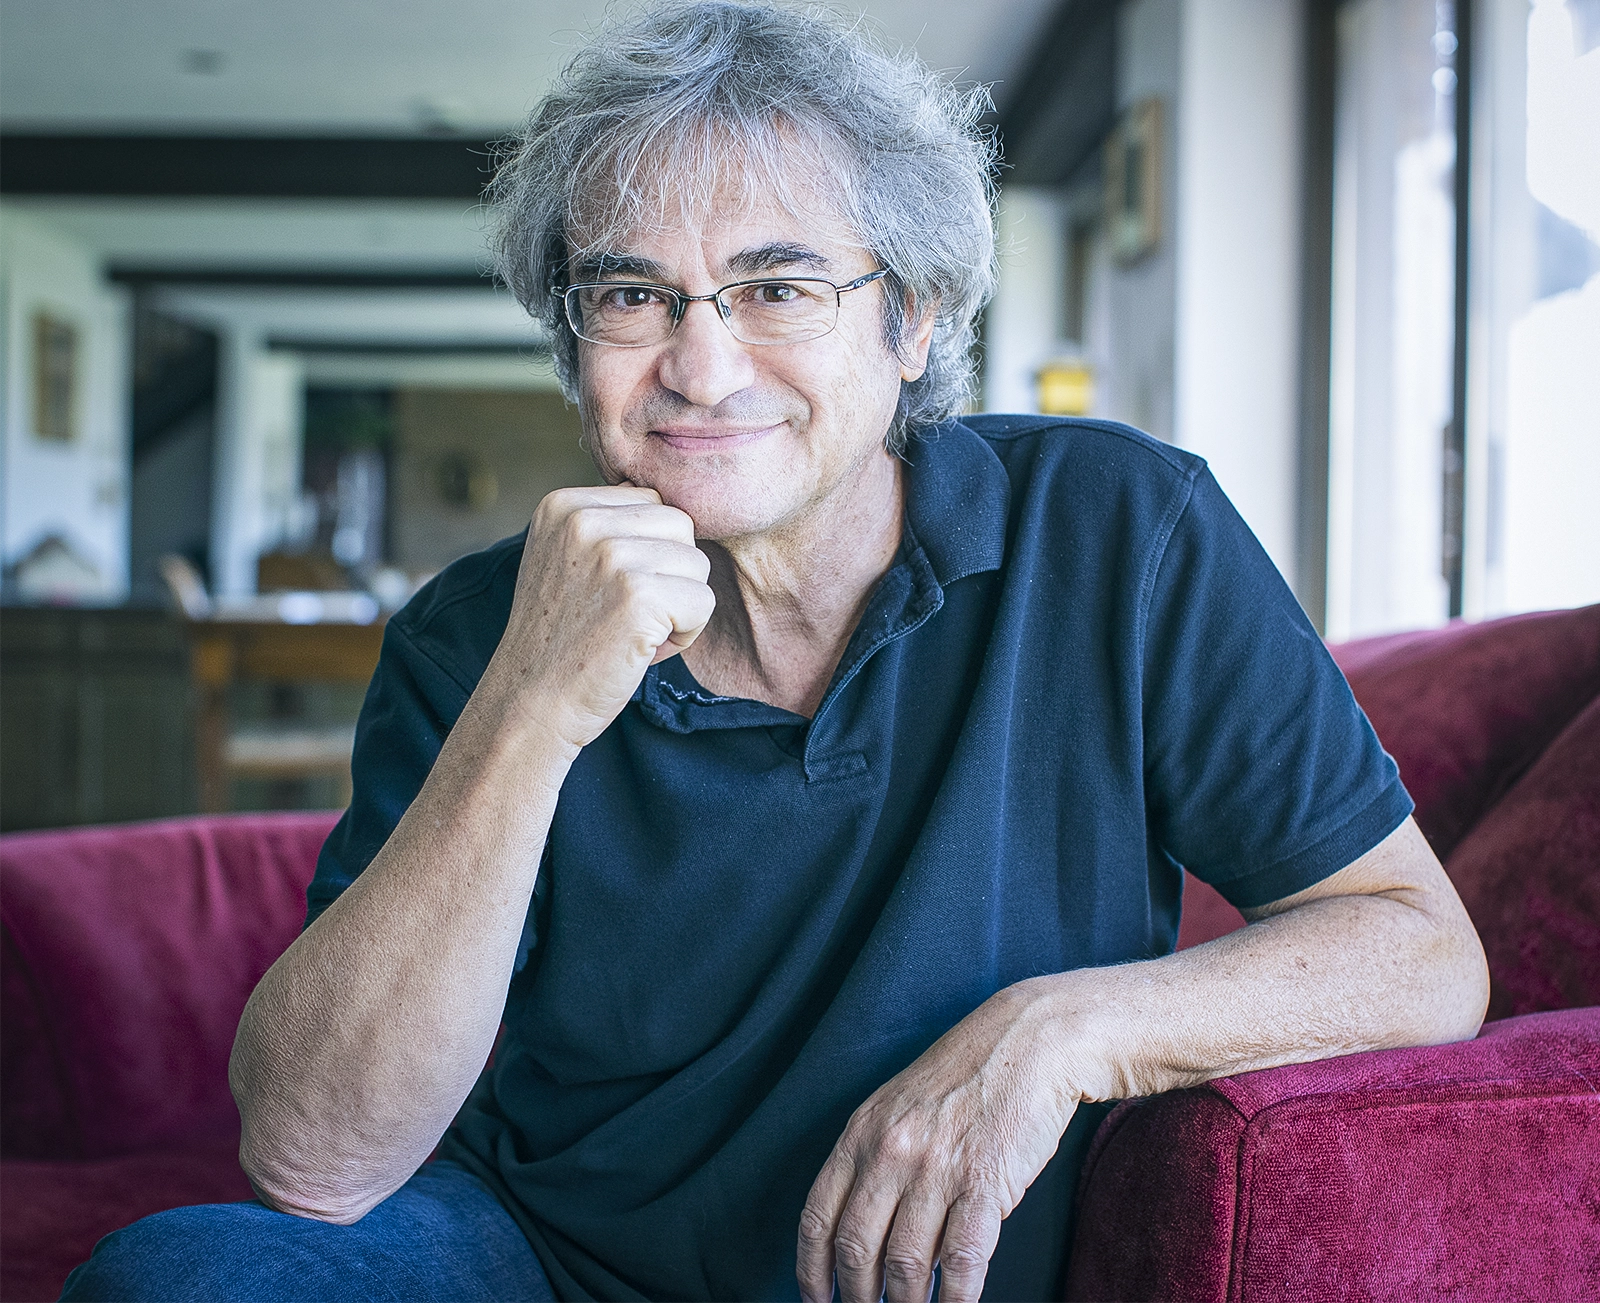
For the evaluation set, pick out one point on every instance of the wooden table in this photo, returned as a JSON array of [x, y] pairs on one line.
[[226, 651]]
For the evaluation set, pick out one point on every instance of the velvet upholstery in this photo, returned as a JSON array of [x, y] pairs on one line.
[[55, 1211], [133, 949], [1466, 709], [1529, 874], [1458, 1171], [126, 956], [1464, 1171]]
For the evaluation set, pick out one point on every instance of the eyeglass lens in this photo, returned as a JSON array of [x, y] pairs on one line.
[[757, 312]]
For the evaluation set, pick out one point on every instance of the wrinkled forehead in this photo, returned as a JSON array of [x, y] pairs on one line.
[[699, 178]]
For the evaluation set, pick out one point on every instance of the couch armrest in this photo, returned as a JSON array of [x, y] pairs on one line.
[[1464, 1171], [128, 953]]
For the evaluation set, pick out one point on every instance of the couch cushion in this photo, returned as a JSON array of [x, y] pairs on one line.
[[1456, 1171], [52, 1213], [1466, 709], [128, 955], [1529, 874]]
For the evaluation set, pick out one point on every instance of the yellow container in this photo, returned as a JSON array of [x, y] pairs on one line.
[[1065, 388]]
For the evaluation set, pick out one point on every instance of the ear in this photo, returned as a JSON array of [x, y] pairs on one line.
[[914, 344]]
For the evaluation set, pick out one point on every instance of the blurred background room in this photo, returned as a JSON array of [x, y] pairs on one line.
[[258, 385]]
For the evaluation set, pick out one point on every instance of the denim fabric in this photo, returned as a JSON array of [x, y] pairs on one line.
[[442, 1236]]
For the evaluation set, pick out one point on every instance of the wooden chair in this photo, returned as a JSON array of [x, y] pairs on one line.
[[296, 639], [224, 652]]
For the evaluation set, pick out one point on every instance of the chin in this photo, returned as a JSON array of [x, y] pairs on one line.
[[721, 512], [717, 520]]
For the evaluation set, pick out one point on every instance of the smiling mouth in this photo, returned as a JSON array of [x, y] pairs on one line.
[[711, 440]]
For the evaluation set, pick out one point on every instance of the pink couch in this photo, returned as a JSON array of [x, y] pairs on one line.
[[126, 956], [1460, 1172]]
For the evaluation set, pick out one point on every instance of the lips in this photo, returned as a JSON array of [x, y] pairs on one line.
[[711, 439]]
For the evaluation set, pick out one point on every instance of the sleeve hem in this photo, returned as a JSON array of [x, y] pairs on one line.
[[1340, 848]]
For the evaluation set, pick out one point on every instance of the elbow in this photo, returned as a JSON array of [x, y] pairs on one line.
[[1458, 986], [298, 1193], [1475, 985], [275, 1162]]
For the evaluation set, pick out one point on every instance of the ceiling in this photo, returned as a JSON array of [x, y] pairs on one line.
[[262, 234], [357, 67], [330, 68]]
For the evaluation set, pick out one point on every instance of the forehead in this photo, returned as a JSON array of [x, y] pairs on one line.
[[712, 197]]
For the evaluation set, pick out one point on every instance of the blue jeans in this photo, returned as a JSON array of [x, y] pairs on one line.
[[441, 1236]]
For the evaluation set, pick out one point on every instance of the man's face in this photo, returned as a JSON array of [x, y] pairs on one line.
[[746, 438]]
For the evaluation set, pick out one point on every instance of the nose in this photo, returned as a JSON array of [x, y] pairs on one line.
[[702, 361]]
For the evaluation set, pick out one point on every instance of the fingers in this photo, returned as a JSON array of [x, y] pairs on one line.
[[872, 1233], [858, 1245], [913, 1244], [882, 1242], [591, 513], [689, 606], [652, 556], [814, 1253], [970, 1234]]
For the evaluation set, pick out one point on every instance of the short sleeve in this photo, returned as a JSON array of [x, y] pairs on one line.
[[1263, 776], [410, 707]]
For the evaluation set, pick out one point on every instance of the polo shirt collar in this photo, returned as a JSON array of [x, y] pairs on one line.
[[957, 499], [957, 507]]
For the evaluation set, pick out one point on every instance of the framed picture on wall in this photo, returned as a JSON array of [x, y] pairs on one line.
[[1133, 183], [55, 377]]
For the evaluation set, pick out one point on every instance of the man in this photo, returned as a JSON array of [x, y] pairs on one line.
[[808, 803]]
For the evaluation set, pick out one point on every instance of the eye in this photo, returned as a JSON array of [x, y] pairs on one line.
[[624, 297], [778, 292]]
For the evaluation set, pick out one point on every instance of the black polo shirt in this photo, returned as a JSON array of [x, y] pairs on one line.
[[1081, 674]]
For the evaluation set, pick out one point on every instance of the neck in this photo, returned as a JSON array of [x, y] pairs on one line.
[[789, 599]]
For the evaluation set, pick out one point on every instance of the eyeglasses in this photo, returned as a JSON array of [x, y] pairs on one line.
[[787, 311]]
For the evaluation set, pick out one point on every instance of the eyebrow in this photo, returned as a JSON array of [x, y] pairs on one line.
[[594, 266], [770, 257], [747, 262]]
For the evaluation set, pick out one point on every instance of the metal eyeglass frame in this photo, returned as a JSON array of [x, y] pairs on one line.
[[682, 302]]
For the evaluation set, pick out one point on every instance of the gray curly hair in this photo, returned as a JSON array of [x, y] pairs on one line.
[[636, 134]]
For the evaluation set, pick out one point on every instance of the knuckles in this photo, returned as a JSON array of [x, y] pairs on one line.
[[900, 1142], [853, 1253], [963, 1259], [814, 1227], [903, 1267]]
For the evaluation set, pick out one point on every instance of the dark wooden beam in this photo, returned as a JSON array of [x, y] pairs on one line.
[[1065, 102], [411, 347], [145, 277], [258, 167]]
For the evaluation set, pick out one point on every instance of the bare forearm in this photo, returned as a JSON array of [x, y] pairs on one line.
[[362, 1041], [1330, 977]]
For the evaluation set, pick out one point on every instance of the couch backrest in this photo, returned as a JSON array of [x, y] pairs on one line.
[[1496, 729], [128, 954], [1467, 709]]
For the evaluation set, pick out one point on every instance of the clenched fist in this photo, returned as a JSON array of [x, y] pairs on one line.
[[610, 583]]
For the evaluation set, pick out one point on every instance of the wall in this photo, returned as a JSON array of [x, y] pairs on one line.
[[79, 488], [1236, 382], [260, 445], [1137, 380], [1198, 342], [1024, 320], [526, 442]]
